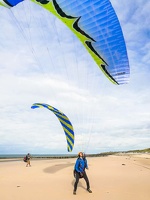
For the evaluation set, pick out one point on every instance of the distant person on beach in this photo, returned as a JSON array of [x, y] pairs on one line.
[[28, 158], [79, 172]]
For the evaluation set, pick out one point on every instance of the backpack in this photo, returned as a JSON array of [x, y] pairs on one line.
[[74, 174], [25, 159]]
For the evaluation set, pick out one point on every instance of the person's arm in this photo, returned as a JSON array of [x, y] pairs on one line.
[[86, 164], [77, 166]]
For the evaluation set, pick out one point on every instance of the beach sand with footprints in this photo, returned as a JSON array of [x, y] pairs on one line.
[[115, 177]]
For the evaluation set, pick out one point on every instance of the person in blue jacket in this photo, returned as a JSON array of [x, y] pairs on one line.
[[79, 170]]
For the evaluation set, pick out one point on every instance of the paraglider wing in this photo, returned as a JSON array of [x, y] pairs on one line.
[[96, 24], [65, 122]]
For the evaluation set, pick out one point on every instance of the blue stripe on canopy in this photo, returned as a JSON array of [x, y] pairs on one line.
[[65, 122]]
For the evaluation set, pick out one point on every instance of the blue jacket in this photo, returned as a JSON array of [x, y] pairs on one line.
[[80, 165]]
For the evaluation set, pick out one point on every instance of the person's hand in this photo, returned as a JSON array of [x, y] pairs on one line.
[[81, 174]]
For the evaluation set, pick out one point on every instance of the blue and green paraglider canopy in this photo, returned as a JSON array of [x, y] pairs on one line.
[[96, 25]]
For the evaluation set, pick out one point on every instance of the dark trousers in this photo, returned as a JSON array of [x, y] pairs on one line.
[[77, 180]]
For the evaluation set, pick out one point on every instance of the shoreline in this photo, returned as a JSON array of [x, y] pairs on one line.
[[59, 156], [128, 155]]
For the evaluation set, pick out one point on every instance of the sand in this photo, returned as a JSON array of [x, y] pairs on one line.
[[122, 177]]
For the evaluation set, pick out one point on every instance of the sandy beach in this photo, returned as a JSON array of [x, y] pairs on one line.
[[120, 177]]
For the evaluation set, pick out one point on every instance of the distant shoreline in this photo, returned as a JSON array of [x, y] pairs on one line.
[[38, 158], [46, 156], [19, 157]]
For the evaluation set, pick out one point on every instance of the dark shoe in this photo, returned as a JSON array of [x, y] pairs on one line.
[[74, 192], [90, 191]]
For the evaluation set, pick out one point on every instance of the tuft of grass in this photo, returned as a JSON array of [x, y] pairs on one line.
[[140, 151]]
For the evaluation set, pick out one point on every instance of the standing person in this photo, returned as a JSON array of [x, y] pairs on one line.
[[28, 157], [80, 167]]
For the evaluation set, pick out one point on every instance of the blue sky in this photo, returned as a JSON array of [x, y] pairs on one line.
[[42, 61]]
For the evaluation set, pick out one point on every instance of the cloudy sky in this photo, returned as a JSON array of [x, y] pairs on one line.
[[42, 61]]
